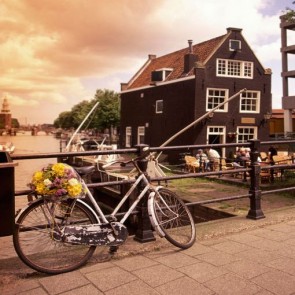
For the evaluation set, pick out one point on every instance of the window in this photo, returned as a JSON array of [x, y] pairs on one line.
[[234, 45], [159, 106], [161, 74], [246, 133], [215, 97], [250, 102], [140, 134], [128, 137], [234, 68]]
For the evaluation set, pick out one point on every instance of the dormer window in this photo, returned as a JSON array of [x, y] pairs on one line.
[[161, 74], [234, 45]]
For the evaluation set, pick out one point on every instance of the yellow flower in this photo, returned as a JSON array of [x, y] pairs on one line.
[[41, 188], [58, 180], [59, 169], [38, 176], [75, 190]]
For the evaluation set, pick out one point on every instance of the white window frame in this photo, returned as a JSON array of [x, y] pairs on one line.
[[159, 110], [217, 130], [140, 134], [230, 44], [218, 97], [234, 68], [128, 136], [253, 98], [242, 134]]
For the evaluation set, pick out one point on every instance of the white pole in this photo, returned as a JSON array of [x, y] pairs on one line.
[[80, 126], [202, 117]]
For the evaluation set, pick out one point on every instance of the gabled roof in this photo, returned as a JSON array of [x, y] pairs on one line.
[[175, 60]]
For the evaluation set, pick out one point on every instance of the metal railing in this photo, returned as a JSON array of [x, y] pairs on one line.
[[7, 195]]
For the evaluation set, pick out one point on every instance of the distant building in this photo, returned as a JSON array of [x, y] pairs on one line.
[[169, 92], [5, 115], [276, 123]]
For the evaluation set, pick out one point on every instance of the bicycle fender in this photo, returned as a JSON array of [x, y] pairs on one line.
[[92, 211], [152, 216]]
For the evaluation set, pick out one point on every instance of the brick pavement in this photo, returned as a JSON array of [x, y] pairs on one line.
[[233, 256]]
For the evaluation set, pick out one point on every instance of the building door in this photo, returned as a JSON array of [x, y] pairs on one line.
[[216, 135]]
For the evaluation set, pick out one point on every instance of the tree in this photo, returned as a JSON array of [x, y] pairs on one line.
[[289, 14], [106, 115], [64, 120], [14, 123], [108, 111]]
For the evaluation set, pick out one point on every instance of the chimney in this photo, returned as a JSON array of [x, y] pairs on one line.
[[190, 46], [190, 58]]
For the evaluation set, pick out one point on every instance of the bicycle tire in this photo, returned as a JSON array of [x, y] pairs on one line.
[[33, 236], [173, 218]]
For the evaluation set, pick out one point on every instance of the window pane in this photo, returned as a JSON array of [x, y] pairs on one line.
[[215, 97]]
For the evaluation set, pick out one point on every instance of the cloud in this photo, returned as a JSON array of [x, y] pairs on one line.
[[59, 52]]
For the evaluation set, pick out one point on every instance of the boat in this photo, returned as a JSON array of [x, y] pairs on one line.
[[7, 147]]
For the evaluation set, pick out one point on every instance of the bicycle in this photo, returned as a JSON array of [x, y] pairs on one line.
[[60, 236]]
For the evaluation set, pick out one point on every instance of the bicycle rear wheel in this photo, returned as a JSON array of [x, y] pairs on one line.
[[173, 218], [35, 240]]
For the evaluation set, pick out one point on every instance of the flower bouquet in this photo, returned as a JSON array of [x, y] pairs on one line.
[[57, 181]]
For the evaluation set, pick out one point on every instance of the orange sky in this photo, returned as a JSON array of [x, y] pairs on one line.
[[56, 53]]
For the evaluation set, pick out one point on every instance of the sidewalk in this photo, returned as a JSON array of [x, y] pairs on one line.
[[231, 256]]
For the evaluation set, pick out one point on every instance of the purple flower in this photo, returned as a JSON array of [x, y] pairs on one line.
[[61, 192]]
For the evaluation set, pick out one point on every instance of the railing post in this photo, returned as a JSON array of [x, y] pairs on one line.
[[144, 231], [255, 211], [7, 195]]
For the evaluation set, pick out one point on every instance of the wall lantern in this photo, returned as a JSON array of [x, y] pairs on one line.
[[231, 134], [266, 116]]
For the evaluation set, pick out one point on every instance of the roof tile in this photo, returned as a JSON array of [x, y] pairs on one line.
[[175, 60]]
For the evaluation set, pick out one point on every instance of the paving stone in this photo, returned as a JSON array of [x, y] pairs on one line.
[[285, 251], [271, 234], [264, 292], [198, 249], [244, 238], [265, 244], [183, 286], [258, 255], [231, 284], [290, 242], [85, 290], [231, 247], [284, 264], [133, 288], [277, 282], [109, 278], [212, 241], [177, 260], [246, 269], [135, 262], [23, 286], [157, 275], [218, 258], [95, 267], [203, 271], [63, 282], [285, 228], [161, 253], [37, 291]]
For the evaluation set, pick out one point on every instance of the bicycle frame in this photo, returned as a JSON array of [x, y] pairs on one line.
[[148, 186]]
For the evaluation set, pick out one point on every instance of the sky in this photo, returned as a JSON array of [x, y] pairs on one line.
[[57, 53]]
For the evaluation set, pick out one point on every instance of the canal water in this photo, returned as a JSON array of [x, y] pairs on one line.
[[28, 144]]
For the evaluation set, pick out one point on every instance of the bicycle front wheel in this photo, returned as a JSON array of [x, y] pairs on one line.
[[173, 218], [35, 240]]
